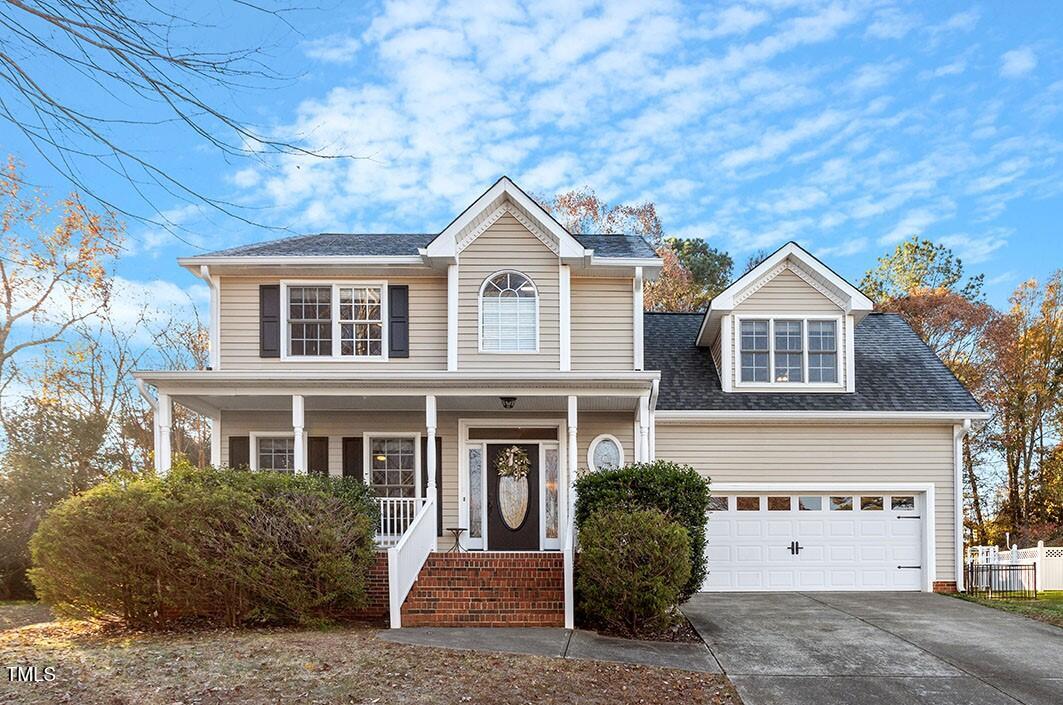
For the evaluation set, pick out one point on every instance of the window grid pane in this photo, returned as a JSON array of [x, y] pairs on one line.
[[508, 314], [823, 351], [392, 467], [310, 320], [754, 348], [276, 454], [789, 360], [361, 321]]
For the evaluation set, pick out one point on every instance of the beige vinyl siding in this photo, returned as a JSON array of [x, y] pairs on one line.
[[828, 453], [239, 328], [717, 352], [507, 244], [602, 324], [787, 293], [339, 424]]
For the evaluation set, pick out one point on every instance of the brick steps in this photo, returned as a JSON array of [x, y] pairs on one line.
[[488, 590]]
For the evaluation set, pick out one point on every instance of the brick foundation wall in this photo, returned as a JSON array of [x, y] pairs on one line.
[[377, 608], [488, 590], [946, 586]]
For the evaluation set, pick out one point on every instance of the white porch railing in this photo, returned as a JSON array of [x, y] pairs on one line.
[[396, 515], [407, 557], [569, 551]]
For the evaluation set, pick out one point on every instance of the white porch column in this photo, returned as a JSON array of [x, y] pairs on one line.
[[573, 455], [430, 456], [215, 440], [644, 429], [163, 421], [298, 425]]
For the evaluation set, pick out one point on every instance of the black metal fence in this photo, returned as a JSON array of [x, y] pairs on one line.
[[1002, 581]]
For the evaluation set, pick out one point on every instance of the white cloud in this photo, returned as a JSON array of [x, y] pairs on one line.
[[846, 248], [778, 142], [1017, 62], [891, 23], [735, 20], [973, 250], [1002, 278], [333, 49], [914, 223]]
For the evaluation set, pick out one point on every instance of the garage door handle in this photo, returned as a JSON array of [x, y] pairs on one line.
[[910, 517], [909, 567]]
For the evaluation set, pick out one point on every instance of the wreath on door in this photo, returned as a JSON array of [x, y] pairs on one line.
[[513, 462]]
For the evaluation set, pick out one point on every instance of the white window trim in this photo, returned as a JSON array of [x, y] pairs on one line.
[[594, 444], [336, 285], [480, 315], [253, 438], [805, 386], [367, 466]]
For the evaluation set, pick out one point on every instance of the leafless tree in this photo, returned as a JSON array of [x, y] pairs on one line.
[[90, 82]]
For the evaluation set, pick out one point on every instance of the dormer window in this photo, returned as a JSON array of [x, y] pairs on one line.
[[788, 351]]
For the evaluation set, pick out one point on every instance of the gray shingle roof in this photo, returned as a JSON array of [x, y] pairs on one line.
[[396, 244], [616, 245], [895, 371]]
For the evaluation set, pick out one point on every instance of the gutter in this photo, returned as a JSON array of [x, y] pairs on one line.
[[683, 416]]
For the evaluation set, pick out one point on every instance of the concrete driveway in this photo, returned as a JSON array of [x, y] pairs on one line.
[[871, 648]]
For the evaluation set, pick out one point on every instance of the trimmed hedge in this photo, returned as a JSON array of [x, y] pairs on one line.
[[216, 545], [633, 566], [676, 490]]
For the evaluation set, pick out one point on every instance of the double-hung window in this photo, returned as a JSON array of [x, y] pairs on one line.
[[335, 320], [786, 350], [393, 466], [754, 351], [276, 453]]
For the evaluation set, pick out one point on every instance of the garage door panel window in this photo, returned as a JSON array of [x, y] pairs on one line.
[[810, 503], [841, 504], [902, 504], [747, 504], [778, 504], [717, 504], [871, 504]]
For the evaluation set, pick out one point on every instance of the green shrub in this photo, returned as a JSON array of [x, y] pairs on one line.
[[676, 490], [219, 546], [632, 568]]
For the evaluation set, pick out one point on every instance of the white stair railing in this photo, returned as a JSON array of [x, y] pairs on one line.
[[569, 551], [407, 557], [396, 514]]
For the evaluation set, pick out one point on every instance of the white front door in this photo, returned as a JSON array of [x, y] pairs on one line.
[[840, 541]]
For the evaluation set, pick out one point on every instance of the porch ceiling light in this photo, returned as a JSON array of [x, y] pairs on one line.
[[507, 402]]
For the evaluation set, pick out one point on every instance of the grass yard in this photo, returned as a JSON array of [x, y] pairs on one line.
[[347, 665], [1048, 607]]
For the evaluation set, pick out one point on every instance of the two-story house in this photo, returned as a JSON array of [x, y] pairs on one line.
[[831, 433]]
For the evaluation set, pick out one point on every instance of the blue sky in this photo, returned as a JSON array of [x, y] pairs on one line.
[[846, 126]]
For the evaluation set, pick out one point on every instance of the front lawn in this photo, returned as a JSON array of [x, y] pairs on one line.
[[344, 665], [1048, 607]]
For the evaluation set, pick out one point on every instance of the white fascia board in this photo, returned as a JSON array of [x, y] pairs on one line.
[[211, 376], [679, 416], [445, 244]]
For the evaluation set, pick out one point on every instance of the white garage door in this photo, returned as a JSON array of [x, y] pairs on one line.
[[815, 542]]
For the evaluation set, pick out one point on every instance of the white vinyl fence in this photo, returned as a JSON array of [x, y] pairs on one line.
[[1048, 559]]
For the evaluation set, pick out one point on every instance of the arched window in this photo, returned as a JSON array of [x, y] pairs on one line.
[[509, 314]]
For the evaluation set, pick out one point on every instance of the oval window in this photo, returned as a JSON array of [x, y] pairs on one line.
[[606, 453]]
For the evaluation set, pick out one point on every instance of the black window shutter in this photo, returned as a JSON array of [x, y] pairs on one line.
[[352, 458], [317, 455], [398, 321], [439, 478], [239, 452], [269, 320]]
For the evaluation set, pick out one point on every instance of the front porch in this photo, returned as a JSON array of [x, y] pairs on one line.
[[428, 450]]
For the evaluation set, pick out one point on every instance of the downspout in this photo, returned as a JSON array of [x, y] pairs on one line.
[[653, 419], [215, 312], [958, 434]]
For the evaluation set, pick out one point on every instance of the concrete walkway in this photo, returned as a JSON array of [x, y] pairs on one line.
[[562, 643], [872, 648]]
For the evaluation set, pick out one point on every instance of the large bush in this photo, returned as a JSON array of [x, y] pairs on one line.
[[633, 566], [220, 546], [677, 491]]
